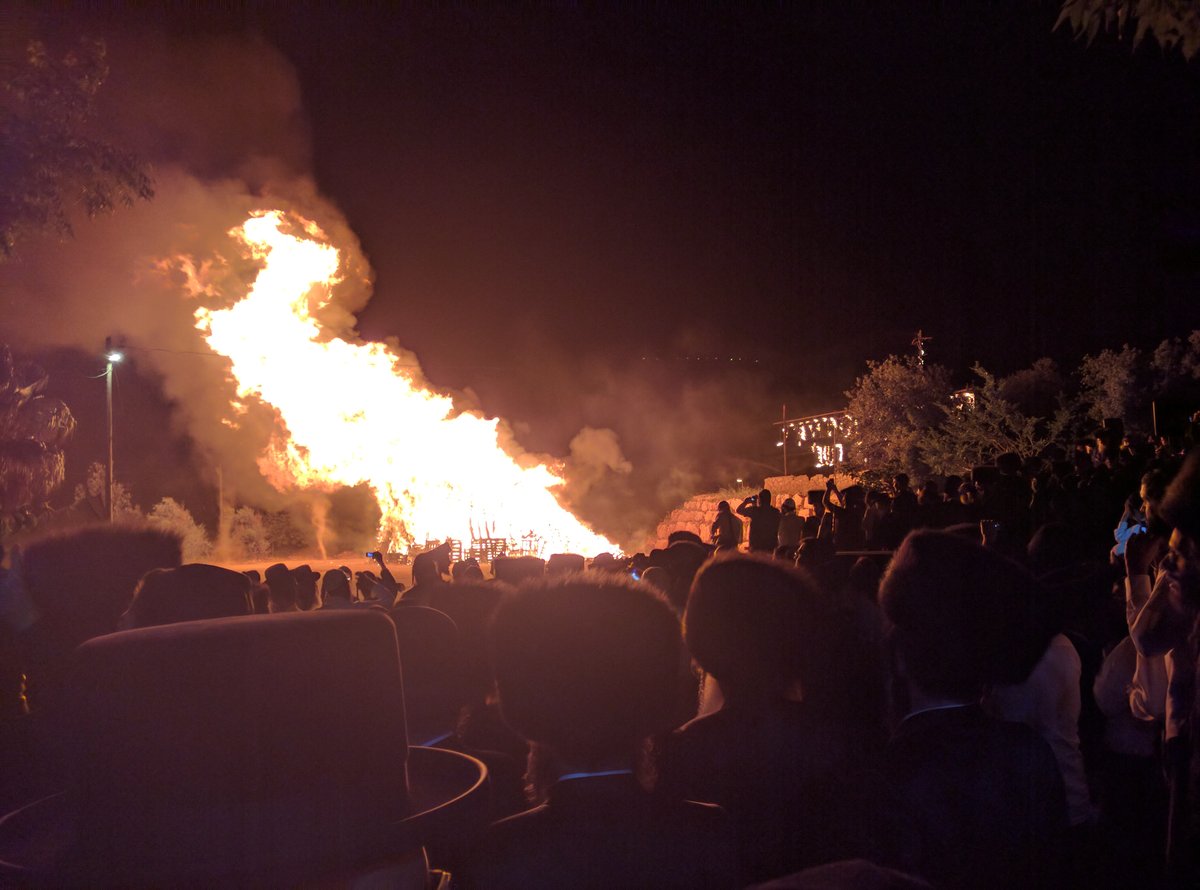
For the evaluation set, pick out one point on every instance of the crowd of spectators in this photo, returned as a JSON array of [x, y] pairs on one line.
[[985, 681]]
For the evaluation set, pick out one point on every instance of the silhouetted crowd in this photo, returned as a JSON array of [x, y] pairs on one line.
[[987, 682]]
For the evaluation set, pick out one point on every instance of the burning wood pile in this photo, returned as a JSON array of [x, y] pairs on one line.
[[350, 413]]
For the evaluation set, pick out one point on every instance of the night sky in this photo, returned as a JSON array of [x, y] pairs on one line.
[[566, 205], [807, 184]]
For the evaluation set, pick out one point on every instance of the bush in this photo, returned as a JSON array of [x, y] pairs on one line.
[[170, 515], [283, 536], [248, 534]]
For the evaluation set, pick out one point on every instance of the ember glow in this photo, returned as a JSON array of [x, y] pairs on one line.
[[350, 413]]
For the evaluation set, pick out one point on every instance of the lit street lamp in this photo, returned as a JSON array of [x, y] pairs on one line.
[[111, 357]]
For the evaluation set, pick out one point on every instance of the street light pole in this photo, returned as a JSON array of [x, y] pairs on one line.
[[111, 356], [109, 465], [784, 427]]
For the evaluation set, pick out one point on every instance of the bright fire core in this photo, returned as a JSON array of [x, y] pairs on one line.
[[351, 414]]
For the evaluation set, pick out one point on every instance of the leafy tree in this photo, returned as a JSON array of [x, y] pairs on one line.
[[975, 431], [51, 163], [124, 509], [248, 534], [1171, 22], [33, 429], [1038, 390], [170, 515], [1175, 362], [283, 536], [895, 405], [1112, 385]]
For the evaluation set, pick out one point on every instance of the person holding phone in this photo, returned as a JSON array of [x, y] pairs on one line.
[[764, 521], [386, 579]]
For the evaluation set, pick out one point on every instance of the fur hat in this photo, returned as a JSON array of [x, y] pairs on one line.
[[189, 593], [517, 569], [189, 765], [588, 665], [962, 616], [87, 577], [681, 560], [565, 563], [470, 606], [756, 625], [79, 585]]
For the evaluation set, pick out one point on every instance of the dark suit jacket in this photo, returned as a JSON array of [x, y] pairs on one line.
[[607, 832], [968, 801], [781, 774]]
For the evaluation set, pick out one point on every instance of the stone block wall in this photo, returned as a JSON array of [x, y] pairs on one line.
[[698, 512]]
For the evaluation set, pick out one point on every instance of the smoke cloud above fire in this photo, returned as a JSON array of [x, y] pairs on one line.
[[225, 129], [225, 132]]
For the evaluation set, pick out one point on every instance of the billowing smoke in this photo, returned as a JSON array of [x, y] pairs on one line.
[[225, 129], [679, 432]]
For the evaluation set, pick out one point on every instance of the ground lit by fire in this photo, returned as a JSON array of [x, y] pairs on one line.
[[352, 413]]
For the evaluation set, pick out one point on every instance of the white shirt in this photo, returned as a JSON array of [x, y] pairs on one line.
[[1157, 627], [1049, 703]]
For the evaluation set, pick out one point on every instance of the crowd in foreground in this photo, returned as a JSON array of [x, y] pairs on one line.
[[987, 683]]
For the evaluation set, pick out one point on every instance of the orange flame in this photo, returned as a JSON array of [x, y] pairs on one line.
[[354, 415]]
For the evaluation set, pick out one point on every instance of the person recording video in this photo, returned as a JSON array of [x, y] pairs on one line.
[[764, 521]]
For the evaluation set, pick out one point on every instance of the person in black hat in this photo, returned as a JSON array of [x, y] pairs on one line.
[[565, 564], [307, 595], [965, 800], [477, 727], [189, 593], [427, 575], [587, 668], [517, 570], [467, 570], [76, 586], [770, 755], [335, 590], [282, 585], [187, 768]]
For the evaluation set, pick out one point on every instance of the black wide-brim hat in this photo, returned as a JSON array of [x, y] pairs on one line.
[[191, 592], [259, 751]]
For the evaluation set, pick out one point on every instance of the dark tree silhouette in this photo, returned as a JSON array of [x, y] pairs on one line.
[[51, 162], [33, 429], [1171, 22]]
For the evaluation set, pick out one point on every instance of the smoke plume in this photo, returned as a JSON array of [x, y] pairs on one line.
[[225, 129], [225, 132]]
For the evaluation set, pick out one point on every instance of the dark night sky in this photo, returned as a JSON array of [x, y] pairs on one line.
[[571, 188], [808, 182]]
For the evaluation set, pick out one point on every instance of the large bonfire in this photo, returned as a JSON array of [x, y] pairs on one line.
[[354, 413]]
